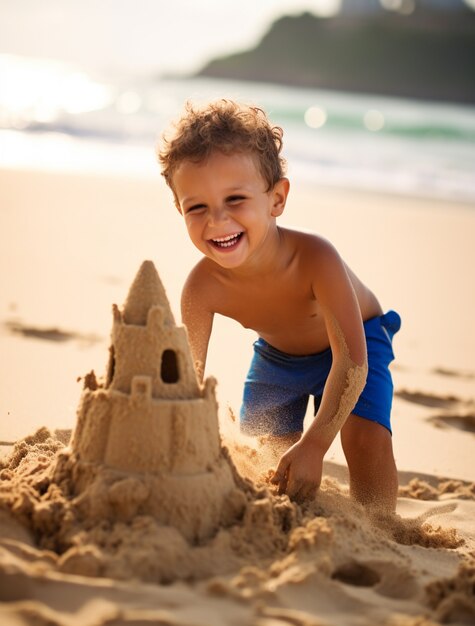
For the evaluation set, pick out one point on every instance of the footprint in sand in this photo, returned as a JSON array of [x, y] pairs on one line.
[[428, 399], [460, 413], [388, 579], [54, 334], [464, 422], [356, 574], [442, 371]]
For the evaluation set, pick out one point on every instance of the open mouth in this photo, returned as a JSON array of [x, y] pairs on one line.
[[230, 241]]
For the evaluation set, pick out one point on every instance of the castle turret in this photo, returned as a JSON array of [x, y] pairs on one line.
[[146, 292], [147, 342], [153, 418]]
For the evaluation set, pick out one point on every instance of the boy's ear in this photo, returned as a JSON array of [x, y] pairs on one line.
[[279, 196]]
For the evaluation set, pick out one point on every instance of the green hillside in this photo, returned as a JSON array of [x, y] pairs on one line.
[[429, 55]]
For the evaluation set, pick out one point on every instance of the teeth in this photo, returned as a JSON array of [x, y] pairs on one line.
[[226, 242], [228, 238]]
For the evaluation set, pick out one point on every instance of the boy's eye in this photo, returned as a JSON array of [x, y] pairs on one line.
[[194, 207], [235, 199]]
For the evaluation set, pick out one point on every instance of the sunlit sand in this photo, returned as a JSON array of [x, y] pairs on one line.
[[73, 549]]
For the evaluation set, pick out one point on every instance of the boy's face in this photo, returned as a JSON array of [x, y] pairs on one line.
[[227, 210]]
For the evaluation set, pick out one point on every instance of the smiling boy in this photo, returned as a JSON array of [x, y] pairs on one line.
[[321, 331]]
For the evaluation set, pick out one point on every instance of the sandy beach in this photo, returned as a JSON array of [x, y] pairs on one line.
[[70, 246]]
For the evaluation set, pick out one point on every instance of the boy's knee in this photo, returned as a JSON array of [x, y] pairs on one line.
[[364, 439], [369, 452]]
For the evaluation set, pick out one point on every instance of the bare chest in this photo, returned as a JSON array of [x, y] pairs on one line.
[[283, 312]]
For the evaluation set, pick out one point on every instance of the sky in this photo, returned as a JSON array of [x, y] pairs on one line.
[[140, 35]]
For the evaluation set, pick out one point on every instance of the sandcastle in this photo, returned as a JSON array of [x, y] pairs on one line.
[[152, 420], [146, 492]]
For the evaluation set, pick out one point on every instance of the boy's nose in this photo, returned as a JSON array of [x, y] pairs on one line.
[[217, 215]]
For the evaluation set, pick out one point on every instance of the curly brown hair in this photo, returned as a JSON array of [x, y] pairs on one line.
[[228, 127]]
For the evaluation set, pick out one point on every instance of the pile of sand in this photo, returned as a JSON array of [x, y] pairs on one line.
[[275, 543], [145, 491], [422, 490]]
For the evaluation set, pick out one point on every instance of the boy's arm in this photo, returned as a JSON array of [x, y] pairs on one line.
[[197, 316], [299, 470]]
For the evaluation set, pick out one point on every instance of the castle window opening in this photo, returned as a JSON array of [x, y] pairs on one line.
[[169, 370]]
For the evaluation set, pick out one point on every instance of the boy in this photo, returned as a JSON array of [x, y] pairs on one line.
[[317, 323]]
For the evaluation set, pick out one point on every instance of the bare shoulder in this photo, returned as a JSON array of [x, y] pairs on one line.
[[201, 286], [313, 250], [319, 263], [332, 281]]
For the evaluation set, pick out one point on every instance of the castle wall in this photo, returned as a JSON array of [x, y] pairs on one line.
[[92, 428], [166, 437], [138, 433]]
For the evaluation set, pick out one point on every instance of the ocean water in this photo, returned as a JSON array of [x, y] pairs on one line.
[[58, 117]]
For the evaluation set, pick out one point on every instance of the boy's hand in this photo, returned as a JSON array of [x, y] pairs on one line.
[[299, 472]]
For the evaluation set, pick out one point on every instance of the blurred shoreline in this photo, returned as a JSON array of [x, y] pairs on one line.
[[57, 117]]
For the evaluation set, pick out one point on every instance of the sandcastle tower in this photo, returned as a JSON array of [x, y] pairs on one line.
[[152, 419]]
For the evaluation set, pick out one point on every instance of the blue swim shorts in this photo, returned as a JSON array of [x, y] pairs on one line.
[[278, 385]]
